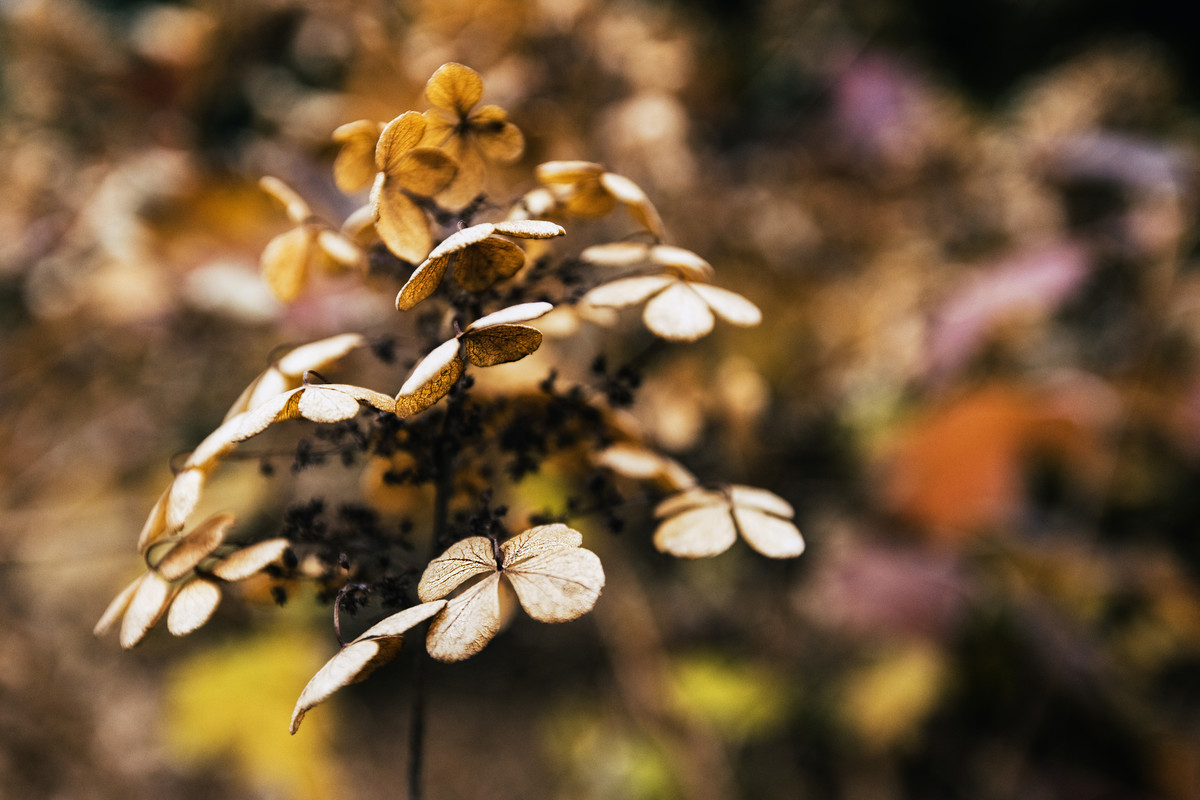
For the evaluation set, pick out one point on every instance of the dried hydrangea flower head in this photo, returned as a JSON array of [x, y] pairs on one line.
[[680, 301], [552, 577], [405, 168], [700, 522], [185, 576], [586, 189], [291, 258], [472, 136]]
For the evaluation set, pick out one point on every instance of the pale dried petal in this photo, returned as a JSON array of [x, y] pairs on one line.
[[183, 498], [267, 385], [193, 606], [431, 380], [641, 463], [156, 524], [340, 249], [424, 171], [469, 621], [400, 223], [768, 534], [685, 262], [454, 88], [402, 621], [698, 533], [353, 663], [276, 409], [284, 263], [481, 265], [195, 547], [689, 499], [761, 500], [468, 183], [462, 561], [499, 344], [530, 229], [497, 139], [323, 404], [616, 254], [146, 607], [297, 210], [318, 355], [116, 608], [377, 400], [462, 239], [538, 541], [354, 166], [521, 312], [422, 283], [628, 291], [214, 446], [565, 172], [729, 306], [398, 137], [678, 313], [557, 586], [636, 200], [250, 560]]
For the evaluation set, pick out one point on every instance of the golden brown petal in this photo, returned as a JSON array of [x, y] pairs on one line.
[[497, 139], [400, 223], [422, 283], [431, 380], [455, 88], [425, 171], [398, 137], [499, 344], [354, 167], [482, 264], [284, 263]]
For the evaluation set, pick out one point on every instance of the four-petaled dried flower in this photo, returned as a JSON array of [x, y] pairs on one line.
[[472, 136], [681, 302], [702, 522], [586, 189], [186, 578], [290, 259], [497, 338], [551, 576], [481, 257], [405, 167]]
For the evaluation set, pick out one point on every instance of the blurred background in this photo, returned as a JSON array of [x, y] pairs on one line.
[[971, 227]]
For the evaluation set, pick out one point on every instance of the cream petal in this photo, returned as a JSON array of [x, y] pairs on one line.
[[530, 229], [146, 607], [698, 533], [250, 560], [319, 354], [192, 606], [522, 312], [628, 291], [402, 621], [323, 404], [567, 171], [694, 497], [678, 313], [468, 622], [116, 608], [538, 541], [761, 500], [686, 262], [769, 535], [353, 663], [557, 586], [462, 561], [729, 306], [195, 547], [616, 254]]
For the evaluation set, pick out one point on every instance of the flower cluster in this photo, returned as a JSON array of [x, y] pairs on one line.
[[470, 298]]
